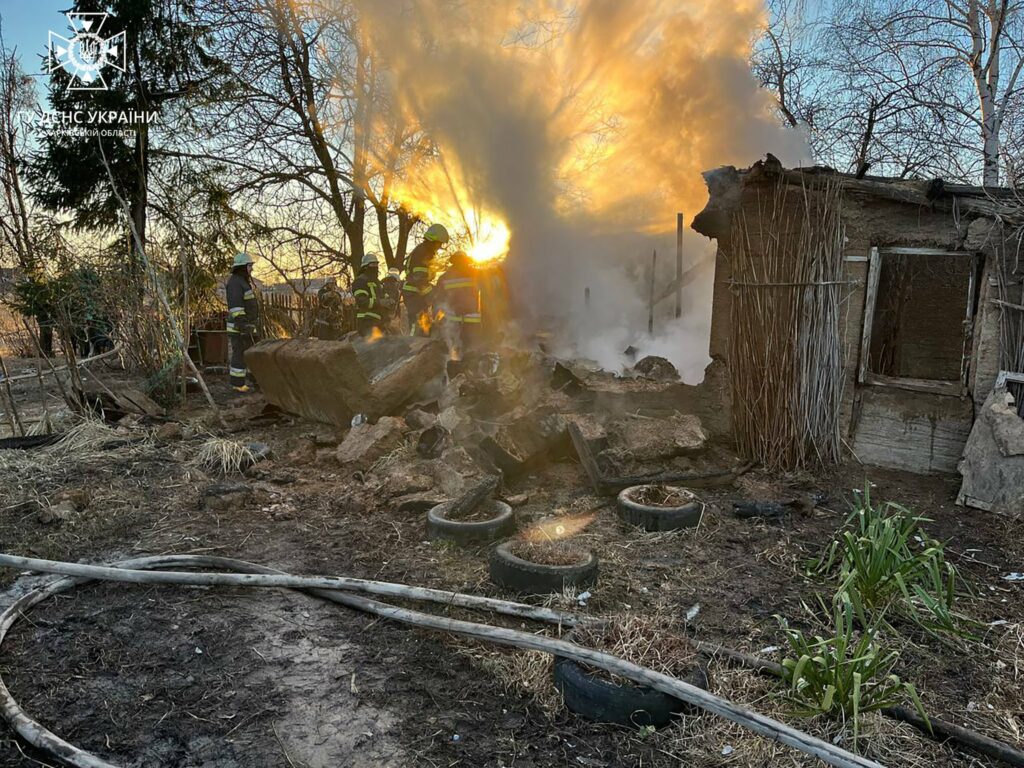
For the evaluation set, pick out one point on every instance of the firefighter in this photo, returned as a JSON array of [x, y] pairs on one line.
[[243, 314], [329, 311], [372, 304], [392, 285], [458, 295], [416, 290]]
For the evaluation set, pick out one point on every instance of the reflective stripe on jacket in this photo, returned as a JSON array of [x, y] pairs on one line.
[[243, 310], [460, 295], [367, 291], [417, 269]]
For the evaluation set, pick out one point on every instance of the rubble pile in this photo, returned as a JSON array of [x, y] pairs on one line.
[[507, 412]]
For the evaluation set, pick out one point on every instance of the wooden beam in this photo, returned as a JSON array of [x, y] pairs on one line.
[[679, 283], [870, 298], [926, 252], [928, 386], [579, 442], [1007, 305]]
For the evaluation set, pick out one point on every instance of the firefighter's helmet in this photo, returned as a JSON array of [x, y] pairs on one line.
[[436, 233]]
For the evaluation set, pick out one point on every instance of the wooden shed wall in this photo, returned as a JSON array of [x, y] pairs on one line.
[[886, 426]]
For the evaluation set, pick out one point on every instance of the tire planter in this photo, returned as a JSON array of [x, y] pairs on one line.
[[601, 700], [652, 518], [509, 570], [499, 524]]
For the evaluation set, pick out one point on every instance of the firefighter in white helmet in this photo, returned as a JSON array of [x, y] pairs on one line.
[[243, 315], [416, 290], [372, 303]]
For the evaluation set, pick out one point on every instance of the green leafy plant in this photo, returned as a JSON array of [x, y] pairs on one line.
[[884, 561], [844, 675]]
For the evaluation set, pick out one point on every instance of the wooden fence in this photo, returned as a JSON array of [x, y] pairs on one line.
[[294, 314]]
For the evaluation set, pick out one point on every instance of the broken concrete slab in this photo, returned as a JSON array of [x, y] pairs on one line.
[[332, 381], [993, 459], [405, 482], [646, 439], [529, 440], [420, 419], [366, 443]]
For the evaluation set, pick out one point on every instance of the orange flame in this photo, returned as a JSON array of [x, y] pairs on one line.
[[426, 322], [423, 321], [375, 335], [557, 528]]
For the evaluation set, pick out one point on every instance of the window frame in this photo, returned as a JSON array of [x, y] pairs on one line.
[[932, 386]]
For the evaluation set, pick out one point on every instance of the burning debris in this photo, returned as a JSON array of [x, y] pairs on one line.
[[463, 345]]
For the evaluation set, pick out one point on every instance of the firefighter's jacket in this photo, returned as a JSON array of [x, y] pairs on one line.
[[330, 307], [417, 270], [369, 295], [458, 294], [243, 311], [392, 287]]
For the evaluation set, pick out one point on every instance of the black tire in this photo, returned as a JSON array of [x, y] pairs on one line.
[[595, 698], [500, 524], [508, 570], [659, 518]]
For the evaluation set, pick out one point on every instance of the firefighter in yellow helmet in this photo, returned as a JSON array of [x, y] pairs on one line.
[[458, 296], [416, 290], [243, 314], [372, 304]]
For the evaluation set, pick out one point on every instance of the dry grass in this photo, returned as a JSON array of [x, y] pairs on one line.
[[87, 437], [702, 739], [653, 640], [661, 496], [223, 456], [86, 442], [525, 673], [403, 454], [566, 552], [997, 713]]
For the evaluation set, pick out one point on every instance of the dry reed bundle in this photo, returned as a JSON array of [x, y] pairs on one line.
[[226, 457], [785, 346]]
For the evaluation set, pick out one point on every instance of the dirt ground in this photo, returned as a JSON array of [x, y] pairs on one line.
[[218, 678]]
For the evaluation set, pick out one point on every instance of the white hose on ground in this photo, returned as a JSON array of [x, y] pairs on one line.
[[286, 581], [40, 737]]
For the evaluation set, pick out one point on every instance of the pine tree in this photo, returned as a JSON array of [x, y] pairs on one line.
[[167, 63]]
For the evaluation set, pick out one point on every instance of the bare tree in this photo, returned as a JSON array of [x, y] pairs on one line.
[[304, 124], [17, 98], [913, 88]]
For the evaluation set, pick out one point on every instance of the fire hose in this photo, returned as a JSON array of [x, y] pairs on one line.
[[339, 590]]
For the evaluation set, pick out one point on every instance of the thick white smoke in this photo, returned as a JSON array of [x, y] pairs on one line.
[[586, 126]]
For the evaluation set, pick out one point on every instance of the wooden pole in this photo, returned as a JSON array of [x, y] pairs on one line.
[[287, 581], [10, 409], [73, 403], [164, 303], [679, 265], [586, 297], [650, 302], [183, 257]]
